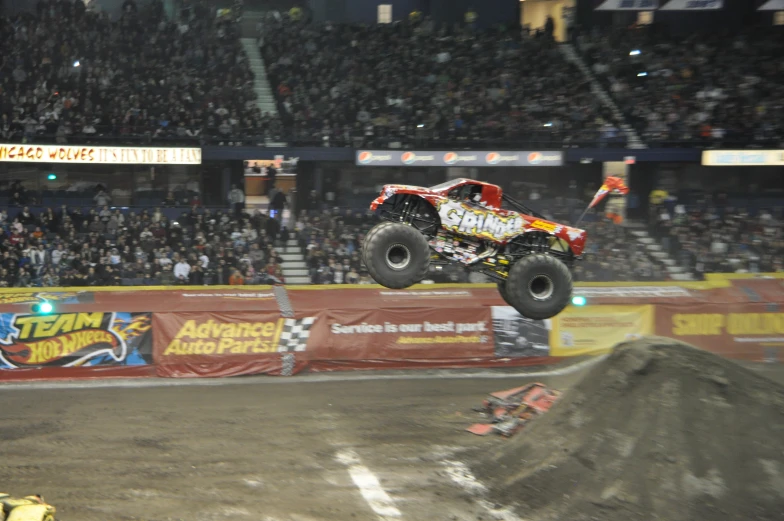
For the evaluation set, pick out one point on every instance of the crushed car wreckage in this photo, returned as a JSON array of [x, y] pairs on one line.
[[510, 410]]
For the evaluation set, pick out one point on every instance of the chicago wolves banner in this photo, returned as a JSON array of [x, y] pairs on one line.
[[75, 340], [693, 5], [628, 5]]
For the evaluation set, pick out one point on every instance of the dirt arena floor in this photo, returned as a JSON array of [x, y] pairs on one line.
[[254, 448]]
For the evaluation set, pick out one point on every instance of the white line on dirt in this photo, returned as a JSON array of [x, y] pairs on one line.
[[305, 378], [465, 479], [368, 485]]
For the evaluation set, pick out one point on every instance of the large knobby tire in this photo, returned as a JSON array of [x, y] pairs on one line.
[[503, 293], [539, 286], [396, 255]]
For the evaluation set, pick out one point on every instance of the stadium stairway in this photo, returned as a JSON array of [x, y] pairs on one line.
[[568, 52], [264, 97], [655, 251], [295, 269]]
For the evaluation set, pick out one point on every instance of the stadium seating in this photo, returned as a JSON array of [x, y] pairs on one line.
[[418, 84], [185, 81], [708, 88]]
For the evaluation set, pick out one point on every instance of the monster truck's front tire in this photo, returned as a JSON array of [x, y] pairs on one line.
[[396, 255], [503, 293], [539, 286]]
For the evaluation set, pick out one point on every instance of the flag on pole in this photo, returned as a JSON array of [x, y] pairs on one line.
[[615, 186]]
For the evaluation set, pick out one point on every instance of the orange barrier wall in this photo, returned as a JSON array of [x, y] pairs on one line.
[[227, 331]]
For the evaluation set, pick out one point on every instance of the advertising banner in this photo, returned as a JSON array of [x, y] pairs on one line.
[[692, 5], [10, 300], [516, 336], [416, 333], [772, 5], [743, 157], [628, 5], [204, 337], [364, 297], [75, 340], [594, 330], [461, 158], [99, 155], [743, 331], [206, 298]]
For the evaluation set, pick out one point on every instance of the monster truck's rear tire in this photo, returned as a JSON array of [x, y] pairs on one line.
[[396, 255], [539, 286]]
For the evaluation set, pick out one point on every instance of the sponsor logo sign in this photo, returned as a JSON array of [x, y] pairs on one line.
[[74, 339], [397, 334], [628, 5], [444, 293], [772, 5], [743, 157], [477, 222], [367, 157], [633, 291], [736, 330], [546, 226], [692, 5], [99, 155], [535, 158], [240, 295], [596, 329], [190, 337], [75, 297], [463, 158]]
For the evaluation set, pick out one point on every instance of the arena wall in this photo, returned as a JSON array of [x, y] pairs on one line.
[[221, 331]]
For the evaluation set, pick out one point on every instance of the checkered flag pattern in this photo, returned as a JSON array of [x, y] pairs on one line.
[[295, 334]]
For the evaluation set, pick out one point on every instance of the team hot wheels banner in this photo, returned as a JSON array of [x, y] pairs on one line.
[[75, 339]]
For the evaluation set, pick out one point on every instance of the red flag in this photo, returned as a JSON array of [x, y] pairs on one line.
[[614, 185]]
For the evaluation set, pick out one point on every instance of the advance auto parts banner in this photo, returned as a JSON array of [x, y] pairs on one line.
[[75, 339], [227, 344], [742, 331], [594, 330], [399, 334]]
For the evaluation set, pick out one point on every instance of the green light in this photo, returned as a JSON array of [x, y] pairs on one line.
[[578, 300], [51, 177], [43, 308]]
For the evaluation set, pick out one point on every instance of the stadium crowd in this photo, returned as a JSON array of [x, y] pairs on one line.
[[708, 87], [108, 247], [714, 237], [417, 83], [69, 74]]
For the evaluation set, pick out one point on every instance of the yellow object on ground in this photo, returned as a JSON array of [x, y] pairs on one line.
[[28, 508]]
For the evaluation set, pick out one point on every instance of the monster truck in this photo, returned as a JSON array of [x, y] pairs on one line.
[[28, 508], [473, 223]]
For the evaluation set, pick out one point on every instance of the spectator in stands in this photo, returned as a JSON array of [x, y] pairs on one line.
[[414, 82], [62, 247], [706, 87], [67, 78], [236, 278], [236, 199], [710, 239]]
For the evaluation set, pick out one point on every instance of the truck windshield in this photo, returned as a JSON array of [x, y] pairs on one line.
[[446, 184]]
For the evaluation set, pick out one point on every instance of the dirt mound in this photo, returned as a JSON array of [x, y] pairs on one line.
[[658, 430]]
